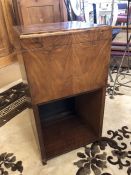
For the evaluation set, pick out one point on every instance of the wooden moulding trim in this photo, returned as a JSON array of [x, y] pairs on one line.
[[38, 35], [7, 60]]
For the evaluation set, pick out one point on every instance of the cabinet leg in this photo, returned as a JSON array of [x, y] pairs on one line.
[[36, 124]]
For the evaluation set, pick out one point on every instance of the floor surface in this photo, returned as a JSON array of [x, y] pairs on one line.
[[17, 135], [9, 75]]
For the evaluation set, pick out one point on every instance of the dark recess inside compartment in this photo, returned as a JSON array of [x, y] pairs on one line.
[[65, 126]]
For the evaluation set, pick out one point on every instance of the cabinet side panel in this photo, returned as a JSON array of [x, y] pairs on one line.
[[91, 108], [34, 116]]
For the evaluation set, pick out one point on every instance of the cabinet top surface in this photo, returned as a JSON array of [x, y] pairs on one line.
[[54, 29]]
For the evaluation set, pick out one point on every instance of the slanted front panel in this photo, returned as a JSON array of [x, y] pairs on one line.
[[67, 69]]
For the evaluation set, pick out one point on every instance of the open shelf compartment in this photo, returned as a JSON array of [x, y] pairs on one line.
[[67, 124]]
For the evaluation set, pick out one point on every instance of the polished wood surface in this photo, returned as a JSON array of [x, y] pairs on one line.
[[5, 45], [39, 12], [78, 125], [66, 68], [39, 30], [67, 64], [7, 34], [9, 19], [93, 113], [7, 60], [73, 134]]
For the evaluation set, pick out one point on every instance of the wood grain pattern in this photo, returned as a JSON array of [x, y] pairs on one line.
[[66, 62], [7, 60], [39, 12], [9, 19], [5, 46], [91, 109], [81, 126], [57, 28], [67, 135], [74, 62], [7, 38]]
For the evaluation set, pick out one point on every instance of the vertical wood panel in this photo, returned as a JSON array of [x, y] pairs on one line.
[[39, 12], [7, 36], [5, 45]]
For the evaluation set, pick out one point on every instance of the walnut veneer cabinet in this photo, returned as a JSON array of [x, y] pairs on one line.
[[65, 66], [30, 12]]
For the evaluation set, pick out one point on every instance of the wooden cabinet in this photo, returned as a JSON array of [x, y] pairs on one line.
[[7, 35], [39, 11], [66, 65], [5, 46]]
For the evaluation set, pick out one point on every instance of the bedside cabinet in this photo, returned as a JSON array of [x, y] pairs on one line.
[[65, 66]]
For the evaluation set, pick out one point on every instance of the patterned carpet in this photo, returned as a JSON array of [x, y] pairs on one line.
[[111, 155], [12, 102], [8, 161], [113, 150], [96, 159]]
